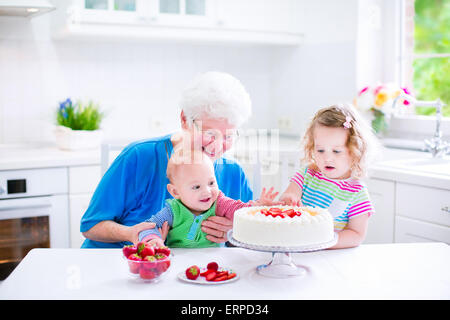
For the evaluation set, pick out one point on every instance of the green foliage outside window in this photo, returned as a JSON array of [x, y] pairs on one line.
[[432, 36]]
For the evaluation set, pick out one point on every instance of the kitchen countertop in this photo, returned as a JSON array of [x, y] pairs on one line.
[[35, 155], [381, 271]]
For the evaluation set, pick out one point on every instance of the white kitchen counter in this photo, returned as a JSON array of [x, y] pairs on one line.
[[390, 168], [388, 271], [30, 156]]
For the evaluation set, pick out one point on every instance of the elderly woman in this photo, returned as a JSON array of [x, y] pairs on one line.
[[133, 189]]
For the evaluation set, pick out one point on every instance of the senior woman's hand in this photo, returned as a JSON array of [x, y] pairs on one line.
[[216, 228]]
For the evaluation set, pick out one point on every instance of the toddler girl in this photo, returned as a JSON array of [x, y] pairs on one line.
[[336, 145]]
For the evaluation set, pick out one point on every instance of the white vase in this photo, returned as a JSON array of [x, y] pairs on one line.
[[68, 139]]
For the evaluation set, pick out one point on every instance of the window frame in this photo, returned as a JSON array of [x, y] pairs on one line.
[[410, 125]]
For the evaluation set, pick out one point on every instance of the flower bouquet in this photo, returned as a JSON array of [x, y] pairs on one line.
[[78, 125], [377, 101]]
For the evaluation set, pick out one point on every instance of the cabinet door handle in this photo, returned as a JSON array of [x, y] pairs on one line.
[[445, 209]]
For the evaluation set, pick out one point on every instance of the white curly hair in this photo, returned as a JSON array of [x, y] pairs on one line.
[[217, 95]]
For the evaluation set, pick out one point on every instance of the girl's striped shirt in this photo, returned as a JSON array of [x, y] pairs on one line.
[[345, 199]]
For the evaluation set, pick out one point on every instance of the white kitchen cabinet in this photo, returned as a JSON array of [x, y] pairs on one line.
[[423, 203], [83, 179], [411, 230], [78, 203], [82, 183], [422, 214], [381, 224], [269, 22], [256, 15]]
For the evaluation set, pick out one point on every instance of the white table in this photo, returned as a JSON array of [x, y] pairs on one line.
[[387, 271]]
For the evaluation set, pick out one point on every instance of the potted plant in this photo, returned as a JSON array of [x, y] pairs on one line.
[[78, 125]]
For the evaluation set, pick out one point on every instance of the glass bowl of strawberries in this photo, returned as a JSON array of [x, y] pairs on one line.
[[147, 262]]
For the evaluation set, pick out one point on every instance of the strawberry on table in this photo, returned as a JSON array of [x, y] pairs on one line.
[[129, 250], [210, 276], [148, 274], [192, 272], [212, 266], [165, 250], [160, 256], [221, 278], [205, 273], [145, 249], [231, 276], [134, 262], [221, 273], [150, 262]]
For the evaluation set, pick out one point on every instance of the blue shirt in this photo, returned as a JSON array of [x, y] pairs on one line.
[[134, 187]]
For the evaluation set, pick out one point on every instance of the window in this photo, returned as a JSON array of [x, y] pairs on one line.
[[427, 51], [188, 7], [189, 13], [118, 5]]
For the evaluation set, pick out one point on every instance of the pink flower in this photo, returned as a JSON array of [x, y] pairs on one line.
[[363, 90], [377, 89], [405, 90]]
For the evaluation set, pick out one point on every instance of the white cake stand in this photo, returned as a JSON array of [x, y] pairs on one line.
[[281, 265]]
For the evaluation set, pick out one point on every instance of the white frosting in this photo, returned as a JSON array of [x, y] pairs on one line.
[[252, 227]]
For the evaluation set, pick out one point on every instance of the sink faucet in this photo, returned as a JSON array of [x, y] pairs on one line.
[[435, 145]]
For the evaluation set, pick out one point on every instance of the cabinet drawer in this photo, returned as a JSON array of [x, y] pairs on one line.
[[381, 224], [83, 179], [422, 203], [78, 205], [410, 230]]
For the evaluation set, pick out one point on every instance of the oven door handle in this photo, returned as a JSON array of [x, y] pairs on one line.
[[24, 203]]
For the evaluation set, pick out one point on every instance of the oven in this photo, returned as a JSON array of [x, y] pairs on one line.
[[33, 213]]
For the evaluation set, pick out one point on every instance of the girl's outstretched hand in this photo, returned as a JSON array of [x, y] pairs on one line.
[[291, 199], [267, 198]]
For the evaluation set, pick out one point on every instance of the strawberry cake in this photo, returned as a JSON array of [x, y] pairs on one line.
[[283, 226]]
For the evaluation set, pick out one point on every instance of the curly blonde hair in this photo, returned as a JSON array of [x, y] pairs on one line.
[[361, 141]]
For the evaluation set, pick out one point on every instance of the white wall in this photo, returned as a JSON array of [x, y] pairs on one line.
[[139, 83], [322, 71]]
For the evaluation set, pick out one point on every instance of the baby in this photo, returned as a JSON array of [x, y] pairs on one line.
[[337, 145], [196, 196]]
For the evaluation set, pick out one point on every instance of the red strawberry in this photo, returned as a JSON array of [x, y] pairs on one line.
[[129, 250], [164, 265], [231, 276], [221, 273], [192, 272], [212, 266], [150, 262], [221, 278], [145, 273], [205, 273], [160, 256], [288, 212], [164, 250], [210, 276], [275, 210], [134, 262], [145, 249]]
